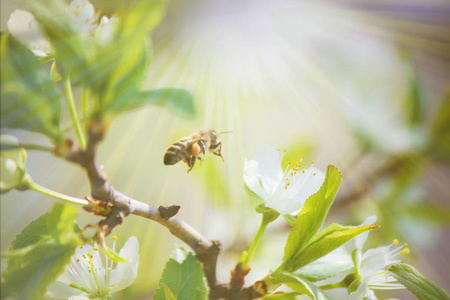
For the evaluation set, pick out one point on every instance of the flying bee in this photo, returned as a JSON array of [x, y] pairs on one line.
[[193, 147]]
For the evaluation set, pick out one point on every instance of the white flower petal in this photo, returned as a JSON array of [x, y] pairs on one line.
[[60, 289], [361, 239], [83, 15], [373, 261], [360, 292], [251, 178], [124, 274], [105, 31], [284, 206], [310, 185], [23, 26], [269, 167]]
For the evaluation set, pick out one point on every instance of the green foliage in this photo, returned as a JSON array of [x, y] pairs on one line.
[[183, 278], [333, 263], [119, 62], [414, 102], [313, 213], [70, 49], [434, 213], [423, 288], [178, 101], [40, 252], [29, 99], [440, 130], [299, 284], [168, 293], [321, 244]]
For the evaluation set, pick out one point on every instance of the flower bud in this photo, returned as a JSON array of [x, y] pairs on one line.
[[12, 162]]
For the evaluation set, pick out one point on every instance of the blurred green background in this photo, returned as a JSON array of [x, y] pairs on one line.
[[359, 84]]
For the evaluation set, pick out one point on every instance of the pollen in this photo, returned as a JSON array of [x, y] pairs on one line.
[[78, 260], [84, 256], [395, 242], [90, 255], [284, 150], [95, 248], [289, 163], [314, 174], [303, 171], [81, 247], [312, 162], [402, 253], [114, 237], [406, 250], [401, 261], [405, 244], [278, 149]]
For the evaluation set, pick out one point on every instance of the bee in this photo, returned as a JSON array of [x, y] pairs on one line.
[[193, 147]]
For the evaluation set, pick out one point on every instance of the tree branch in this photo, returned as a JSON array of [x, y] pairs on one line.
[[206, 250]]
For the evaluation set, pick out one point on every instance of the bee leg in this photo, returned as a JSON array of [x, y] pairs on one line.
[[191, 163], [202, 146]]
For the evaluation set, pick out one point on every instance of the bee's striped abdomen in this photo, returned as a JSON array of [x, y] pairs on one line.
[[175, 153]]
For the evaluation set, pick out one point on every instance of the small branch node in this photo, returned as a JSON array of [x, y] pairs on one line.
[[168, 212]]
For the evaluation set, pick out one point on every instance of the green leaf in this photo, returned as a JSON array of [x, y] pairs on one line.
[[54, 74], [299, 284], [118, 72], [333, 263], [29, 99], [111, 254], [168, 293], [313, 213], [323, 243], [178, 101], [119, 64], [414, 101], [423, 288], [39, 253], [440, 130], [184, 279], [70, 48]]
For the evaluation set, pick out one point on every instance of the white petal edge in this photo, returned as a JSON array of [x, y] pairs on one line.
[[269, 167], [59, 289], [24, 27], [83, 14], [361, 239], [251, 178], [124, 274], [311, 185], [284, 206]]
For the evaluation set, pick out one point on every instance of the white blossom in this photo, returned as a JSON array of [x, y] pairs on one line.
[[89, 275], [84, 19], [287, 191], [372, 263]]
